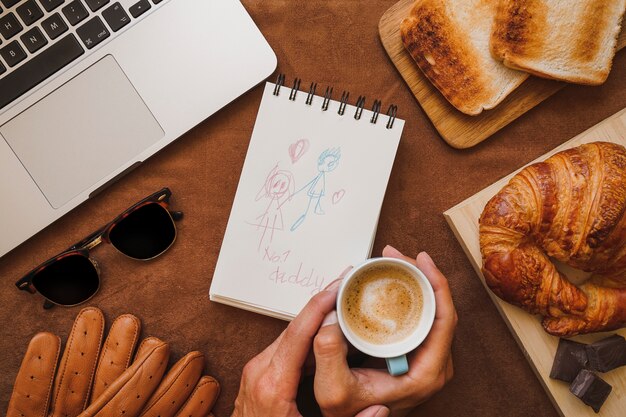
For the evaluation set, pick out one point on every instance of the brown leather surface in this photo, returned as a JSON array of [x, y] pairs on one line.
[[116, 352], [202, 398], [72, 384], [31, 392], [146, 346], [132, 390], [176, 387], [332, 43]]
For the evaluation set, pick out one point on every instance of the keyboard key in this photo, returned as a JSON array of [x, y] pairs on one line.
[[9, 25], [40, 67], [9, 3], [34, 40], [93, 32], [54, 26], [139, 8], [2, 68], [116, 17], [75, 12], [29, 12], [50, 5], [156, 1], [95, 5], [13, 53]]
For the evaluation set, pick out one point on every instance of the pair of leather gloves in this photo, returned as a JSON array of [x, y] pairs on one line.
[[99, 380]]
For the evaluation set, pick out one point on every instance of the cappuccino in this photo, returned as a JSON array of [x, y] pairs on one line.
[[382, 304]]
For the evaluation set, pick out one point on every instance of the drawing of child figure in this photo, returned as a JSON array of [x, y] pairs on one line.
[[316, 188], [278, 188]]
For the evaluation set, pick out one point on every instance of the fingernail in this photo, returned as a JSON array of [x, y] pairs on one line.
[[333, 286], [427, 258], [331, 318], [383, 412], [391, 251]]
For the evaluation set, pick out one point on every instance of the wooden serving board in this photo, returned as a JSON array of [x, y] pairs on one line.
[[538, 346], [458, 129]]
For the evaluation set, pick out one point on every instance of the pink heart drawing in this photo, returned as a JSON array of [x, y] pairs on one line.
[[338, 196], [297, 149]]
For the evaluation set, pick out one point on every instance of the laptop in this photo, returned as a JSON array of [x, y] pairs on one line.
[[91, 88]]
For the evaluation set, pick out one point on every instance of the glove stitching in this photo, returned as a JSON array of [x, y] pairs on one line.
[[144, 342], [134, 339], [93, 369], [69, 349], [65, 359], [139, 364], [108, 341], [203, 381], [56, 359], [166, 390]]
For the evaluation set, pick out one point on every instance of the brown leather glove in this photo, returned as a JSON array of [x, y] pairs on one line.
[[138, 390]]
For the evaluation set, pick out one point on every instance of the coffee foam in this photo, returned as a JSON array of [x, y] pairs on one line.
[[382, 305]]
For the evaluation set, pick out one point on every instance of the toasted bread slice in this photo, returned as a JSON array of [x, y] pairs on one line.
[[568, 40], [449, 41]]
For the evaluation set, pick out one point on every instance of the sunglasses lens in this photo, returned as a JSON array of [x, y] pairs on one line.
[[68, 281], [144, 233]]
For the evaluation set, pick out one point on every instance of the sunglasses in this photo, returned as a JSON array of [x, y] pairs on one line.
[[142, 232]]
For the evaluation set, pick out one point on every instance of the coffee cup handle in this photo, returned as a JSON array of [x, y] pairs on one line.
[[397, 365]]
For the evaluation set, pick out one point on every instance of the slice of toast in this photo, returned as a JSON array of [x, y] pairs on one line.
[[449, 41], [568, 40]]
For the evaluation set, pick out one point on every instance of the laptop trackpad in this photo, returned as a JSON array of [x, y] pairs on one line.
[[82, 132]]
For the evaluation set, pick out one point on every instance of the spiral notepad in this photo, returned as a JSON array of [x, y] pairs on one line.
[[308, 199]]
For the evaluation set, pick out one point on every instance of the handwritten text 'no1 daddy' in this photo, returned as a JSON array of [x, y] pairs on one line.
[[288, 274]]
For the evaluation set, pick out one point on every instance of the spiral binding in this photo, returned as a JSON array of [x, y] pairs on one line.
[[343, 103], [392, 111], [327, 95], [359, 107], [279, 83], [294, 89], [309, 97], [375, 111]]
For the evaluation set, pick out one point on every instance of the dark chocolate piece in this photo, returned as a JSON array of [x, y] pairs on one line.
[[607, 354], [591, 389], [570, 358]]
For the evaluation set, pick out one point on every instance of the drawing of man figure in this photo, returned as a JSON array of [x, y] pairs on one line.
[[316, 188]]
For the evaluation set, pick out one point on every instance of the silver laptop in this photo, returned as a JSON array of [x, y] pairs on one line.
[[91, 88]]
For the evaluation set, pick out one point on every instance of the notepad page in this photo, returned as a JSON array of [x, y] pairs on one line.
[[307, 203]]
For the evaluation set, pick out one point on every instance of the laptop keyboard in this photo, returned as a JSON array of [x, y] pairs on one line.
[[40, 37]]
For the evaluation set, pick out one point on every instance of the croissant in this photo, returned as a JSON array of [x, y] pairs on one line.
[[570, 208]]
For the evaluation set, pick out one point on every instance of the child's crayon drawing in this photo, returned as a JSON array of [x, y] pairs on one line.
[[316, 188], [277, 189], [297, 149], [338, 196]]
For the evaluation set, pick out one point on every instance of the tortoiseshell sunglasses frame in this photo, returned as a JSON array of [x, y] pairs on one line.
[[101, 235]]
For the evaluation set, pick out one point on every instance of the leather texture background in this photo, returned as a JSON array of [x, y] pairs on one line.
[[331, 43]]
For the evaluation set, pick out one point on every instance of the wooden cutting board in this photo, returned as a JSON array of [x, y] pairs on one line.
[[538, 346], [458, 129]]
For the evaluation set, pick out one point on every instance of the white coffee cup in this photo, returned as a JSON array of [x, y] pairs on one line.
[[394, 352]]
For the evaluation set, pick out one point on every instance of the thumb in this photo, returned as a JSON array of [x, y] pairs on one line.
[[331, 349], [374, 411]]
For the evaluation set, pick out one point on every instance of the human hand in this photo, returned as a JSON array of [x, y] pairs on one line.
[[94, 382], [269, 382], [341, 391]]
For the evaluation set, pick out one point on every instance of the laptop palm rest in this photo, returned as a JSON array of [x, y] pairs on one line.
[[82, 132]]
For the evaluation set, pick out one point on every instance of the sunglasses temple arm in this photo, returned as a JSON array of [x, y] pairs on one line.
[[176, 215], [25, 285]]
